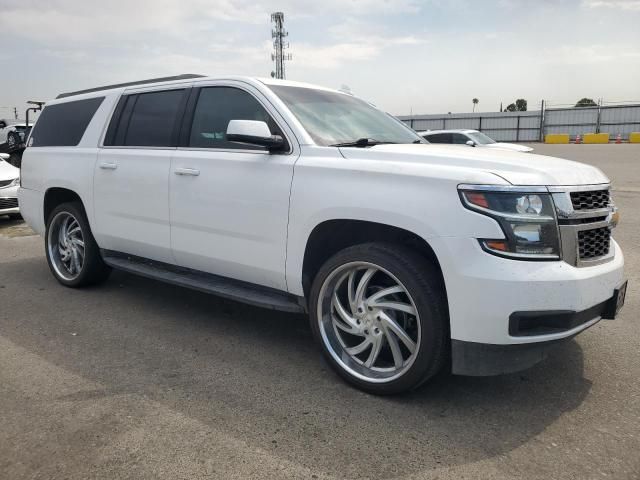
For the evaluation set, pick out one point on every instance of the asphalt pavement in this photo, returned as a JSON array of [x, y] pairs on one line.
[[141, 380]]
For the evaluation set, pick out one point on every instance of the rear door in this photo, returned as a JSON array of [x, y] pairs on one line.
[[131, 191], [230, 201]]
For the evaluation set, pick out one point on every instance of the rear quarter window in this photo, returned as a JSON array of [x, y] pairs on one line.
[[64, 124]]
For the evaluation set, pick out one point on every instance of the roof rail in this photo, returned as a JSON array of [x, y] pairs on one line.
[[184, 76]]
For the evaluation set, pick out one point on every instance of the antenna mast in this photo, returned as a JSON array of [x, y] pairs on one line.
[[278, 33]]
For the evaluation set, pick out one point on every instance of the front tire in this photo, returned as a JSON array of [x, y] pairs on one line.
[[72, 253], [379, 313]]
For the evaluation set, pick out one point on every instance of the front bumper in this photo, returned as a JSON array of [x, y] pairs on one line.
[[9, 200], [485, 291], [482, 359]]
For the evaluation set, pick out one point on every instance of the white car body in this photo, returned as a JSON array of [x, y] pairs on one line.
[[9, 179], [249, 215], [20, 128], [469, 136]]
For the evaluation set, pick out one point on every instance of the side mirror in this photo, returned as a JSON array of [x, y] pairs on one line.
[[4, 156], [255, 133], [471, 143], [3, 124]]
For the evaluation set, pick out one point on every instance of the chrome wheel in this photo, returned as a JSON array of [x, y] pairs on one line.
[[65, 245], [368, 322]]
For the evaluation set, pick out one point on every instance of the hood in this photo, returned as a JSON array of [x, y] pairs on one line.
[[515, 167], [8, 171], [510, 146]]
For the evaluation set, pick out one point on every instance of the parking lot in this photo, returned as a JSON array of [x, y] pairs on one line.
[[138, 379]]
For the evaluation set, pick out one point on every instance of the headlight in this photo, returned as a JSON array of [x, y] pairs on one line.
[[527, 219]]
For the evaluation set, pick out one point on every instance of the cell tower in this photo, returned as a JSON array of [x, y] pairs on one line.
[[278, 33]]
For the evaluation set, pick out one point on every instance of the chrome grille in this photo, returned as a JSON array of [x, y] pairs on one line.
[[8, 203], [585, 221], [590, 200], [594, 243]]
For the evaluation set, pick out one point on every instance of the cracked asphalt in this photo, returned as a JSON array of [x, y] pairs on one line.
[[141, 380]]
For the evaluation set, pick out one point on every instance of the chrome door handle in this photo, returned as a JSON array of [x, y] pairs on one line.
[[108, 166], [187, 171]]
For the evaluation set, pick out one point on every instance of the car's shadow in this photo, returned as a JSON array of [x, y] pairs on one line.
[[220, 362]]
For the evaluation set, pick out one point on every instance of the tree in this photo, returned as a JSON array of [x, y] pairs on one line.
[[586, 102], [520, 105], [475, 102]]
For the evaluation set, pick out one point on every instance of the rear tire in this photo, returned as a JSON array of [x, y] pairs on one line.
[[15, 216], [72, 253], [379, 313]]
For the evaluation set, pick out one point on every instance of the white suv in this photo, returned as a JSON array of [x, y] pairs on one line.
[[409, 258]]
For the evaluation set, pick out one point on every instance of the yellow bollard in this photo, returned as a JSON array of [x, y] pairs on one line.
[[556, 138], [596, 138]]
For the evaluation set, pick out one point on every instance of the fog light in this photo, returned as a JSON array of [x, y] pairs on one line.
[[527, 232]]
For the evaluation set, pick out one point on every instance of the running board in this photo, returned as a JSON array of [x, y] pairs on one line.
[[232, 289]]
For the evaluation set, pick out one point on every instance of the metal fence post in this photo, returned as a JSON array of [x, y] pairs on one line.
[[598, 115], [518, 129], [541, 136], [480, 123]]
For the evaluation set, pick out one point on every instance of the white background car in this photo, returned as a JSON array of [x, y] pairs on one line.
[[9, 180], [12, 134], [472, 138], [408, 257]]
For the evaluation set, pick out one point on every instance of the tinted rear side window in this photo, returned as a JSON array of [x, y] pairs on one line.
[[64, 124], [149, 119], [439, 138]]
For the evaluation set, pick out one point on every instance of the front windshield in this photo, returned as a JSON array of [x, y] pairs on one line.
[[333, 118], [480, 138]]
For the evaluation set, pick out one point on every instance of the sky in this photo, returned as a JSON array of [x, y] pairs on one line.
[[406, 56]]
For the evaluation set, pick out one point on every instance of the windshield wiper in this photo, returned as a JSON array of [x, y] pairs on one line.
[[361, 142]]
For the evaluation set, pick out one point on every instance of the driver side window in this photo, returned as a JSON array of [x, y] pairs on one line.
[[215, 108]]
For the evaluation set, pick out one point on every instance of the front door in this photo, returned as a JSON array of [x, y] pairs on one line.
[[229, 202]]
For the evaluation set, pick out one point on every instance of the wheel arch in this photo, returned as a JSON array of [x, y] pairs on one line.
[[331, 236], [55, 196]]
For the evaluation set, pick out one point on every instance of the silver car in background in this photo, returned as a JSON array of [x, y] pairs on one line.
[[471, 138]]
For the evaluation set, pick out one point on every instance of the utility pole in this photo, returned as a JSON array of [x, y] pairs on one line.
[[15, 112], [278, 33]]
